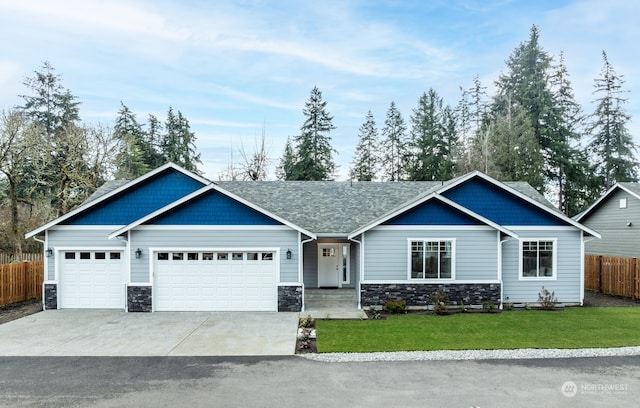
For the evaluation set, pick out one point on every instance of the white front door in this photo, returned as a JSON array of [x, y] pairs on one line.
[[328, 265]]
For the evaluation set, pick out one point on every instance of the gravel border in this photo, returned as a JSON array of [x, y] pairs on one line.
[[473, 354]]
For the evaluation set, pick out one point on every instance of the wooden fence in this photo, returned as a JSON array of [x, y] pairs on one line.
[[20, 281], [612, 275], [6, 258]]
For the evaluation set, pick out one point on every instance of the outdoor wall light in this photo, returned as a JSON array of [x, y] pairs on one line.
[[288, 254], [629, 224], [49, 252], [138, 253]]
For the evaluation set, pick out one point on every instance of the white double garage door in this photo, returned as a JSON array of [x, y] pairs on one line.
[[183, 280]]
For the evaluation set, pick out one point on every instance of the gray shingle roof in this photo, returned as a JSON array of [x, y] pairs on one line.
[[328, 206], [106, 188], [340, 207]]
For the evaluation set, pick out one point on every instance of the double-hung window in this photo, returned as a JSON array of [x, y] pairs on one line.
[[431, 259], [538, 258]]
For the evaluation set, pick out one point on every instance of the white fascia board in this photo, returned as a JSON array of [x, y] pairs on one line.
[[515, 192], [604, 197], [195, 194], [115, 192]]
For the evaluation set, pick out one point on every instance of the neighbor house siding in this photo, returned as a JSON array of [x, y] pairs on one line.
[[79, 239], [566, 284], [386, 252], [195, 238], [611, 221]]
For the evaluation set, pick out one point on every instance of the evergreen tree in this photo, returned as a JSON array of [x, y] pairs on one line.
[[130, 159], [394, 143], [470, 113], [285, 170], [152, 143], [565, 156], [314, 153], [61, 170], [178, 142], [514, 147], [611, 141], [366, 159], [432, 158]]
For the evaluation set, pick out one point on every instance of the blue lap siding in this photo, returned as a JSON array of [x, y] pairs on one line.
[[138, 201]]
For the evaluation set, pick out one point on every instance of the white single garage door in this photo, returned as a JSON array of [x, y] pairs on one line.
[[242, 280], [91, 279]]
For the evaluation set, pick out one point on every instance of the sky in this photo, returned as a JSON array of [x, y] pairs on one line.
[[236, 69]]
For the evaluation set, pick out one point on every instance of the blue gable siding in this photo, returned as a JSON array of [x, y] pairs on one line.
[[498, 205], [433, 212], [213, 208], [139, 200]]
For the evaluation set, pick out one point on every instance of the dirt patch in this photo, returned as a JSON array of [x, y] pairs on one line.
[[17, 310], [597, 299]]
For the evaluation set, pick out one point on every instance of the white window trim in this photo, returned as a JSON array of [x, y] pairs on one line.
[[453, 260], [623, 202], [554, 261]]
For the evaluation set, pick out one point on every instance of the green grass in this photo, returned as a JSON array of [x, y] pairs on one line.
[[572, 328]]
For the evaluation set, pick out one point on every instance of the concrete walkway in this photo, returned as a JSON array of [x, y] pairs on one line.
[[115, 333]]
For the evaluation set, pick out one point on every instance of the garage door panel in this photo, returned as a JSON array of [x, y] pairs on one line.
[[225, 280], [87, 280]]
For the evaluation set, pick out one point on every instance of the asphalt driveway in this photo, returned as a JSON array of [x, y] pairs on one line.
[[115, 333]]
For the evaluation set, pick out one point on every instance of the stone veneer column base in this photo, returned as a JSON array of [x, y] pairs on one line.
[[50, 296], [139, 299], [289, 298], [419, 294]]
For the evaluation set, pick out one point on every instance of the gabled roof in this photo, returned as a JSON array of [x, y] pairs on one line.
[[328, 207], [631, 188], [198, 193], [111, 190], [520, 190], [423, 199]]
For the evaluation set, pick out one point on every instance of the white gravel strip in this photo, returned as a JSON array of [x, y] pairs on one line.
[[473, 354]]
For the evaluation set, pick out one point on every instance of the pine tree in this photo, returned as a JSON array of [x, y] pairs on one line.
[[314, 153], [152, 143], [431, 155], [366, 158], [514, 147], [284, 170], [59, 174], [611, 141], [130, 160], [394, 143], [470, 113], [526, 85], [178, 142], [565, 154]]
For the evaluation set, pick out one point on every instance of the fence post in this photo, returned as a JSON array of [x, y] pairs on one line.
[[600, 273]]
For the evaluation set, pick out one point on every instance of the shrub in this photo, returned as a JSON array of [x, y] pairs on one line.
[[488, 306], [440, 300], [547, 299], [395, 306], [307, 322]]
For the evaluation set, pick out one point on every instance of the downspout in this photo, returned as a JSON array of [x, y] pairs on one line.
[[301, 263], [45, 272], [584, 241], [500, 268], [361, 267]]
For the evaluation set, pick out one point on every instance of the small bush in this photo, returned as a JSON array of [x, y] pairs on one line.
[[395, 306], [547, 299], [488, 306], [440, 300], [374, 314], [307, 322], [508, 306]]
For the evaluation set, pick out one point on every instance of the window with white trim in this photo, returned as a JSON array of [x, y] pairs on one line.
[[537, 259], [431, 259]]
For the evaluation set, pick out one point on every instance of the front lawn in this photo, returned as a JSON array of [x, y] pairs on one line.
[[574, 327]]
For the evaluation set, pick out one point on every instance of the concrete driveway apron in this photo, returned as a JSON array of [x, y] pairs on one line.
[[72, 332]]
